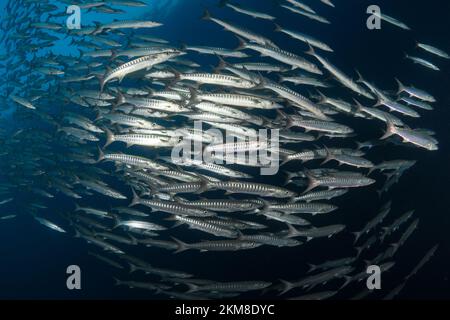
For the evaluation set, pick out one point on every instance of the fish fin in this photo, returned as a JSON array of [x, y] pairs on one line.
[[329, 156], [287, 286], [310, 50], [109, 138], [360, 77], [242, 44], [390, 130], [77, 207], [312, 267], [322, 97], [401, 87], [192, 287], [136, 200], [312, 181], [222, 64], [101, 155], [206, 15], [278, 28], [193, 96], [120, 98], [291, 230], [117, 282], [182, 246], [357, 235]]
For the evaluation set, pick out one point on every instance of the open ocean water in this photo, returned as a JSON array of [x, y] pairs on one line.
[[34, 258]]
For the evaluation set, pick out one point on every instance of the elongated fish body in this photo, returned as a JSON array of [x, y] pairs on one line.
[[299, 207], [154, 104], [341, 76], [417, 138], [305, 38], [299, 4], [135, 122], [217, 51], [394, 21], [171, 207], [317, 296], [132, 160], [423, 62], [313, 280], [354, 161], [217, 79], [137, 24], [297, 99], [285, 218], [241, 286], [414, 92], [307, 14], [433, 50], [303, 80], [429, 254], [271, 240], [218, 245], [49, 224], [417, 103], [398, 107], [148, 140], [328, 3], [320, 195], [260, 66], [340, 181], [284, 56], [234, 147], [308, 155], [237, 100], [252, 188], [223, 205], [102, 189], [251, 13], [145, 62], [206, 226], [23, 102], [318, 125]]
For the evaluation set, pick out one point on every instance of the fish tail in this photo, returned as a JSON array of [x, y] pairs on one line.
[[182, 246], [312, 181], [242, 44], [287, 286], [310, 50], [109, 138], [136, 200], [101, 155], [222, 3], [401, 87], [278, 28], [206, 15], [192, 287], [390, 130]]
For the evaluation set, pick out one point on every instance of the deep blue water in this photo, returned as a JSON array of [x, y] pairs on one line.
[[34, 259]]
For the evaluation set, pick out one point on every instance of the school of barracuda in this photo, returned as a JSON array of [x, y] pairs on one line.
[[104, 122]]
